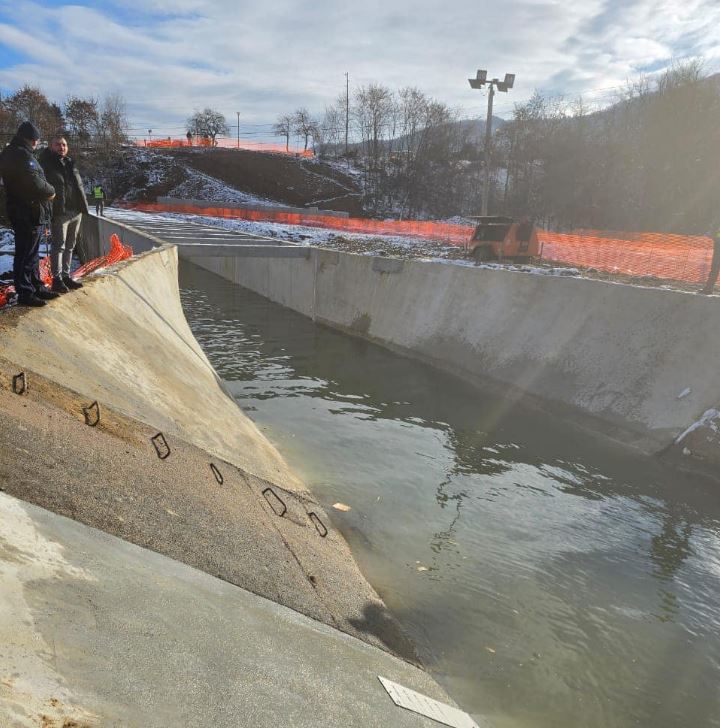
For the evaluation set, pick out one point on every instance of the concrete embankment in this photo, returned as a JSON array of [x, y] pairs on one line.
[[123, 341], [640, 364], [635, 363], [97, 632]]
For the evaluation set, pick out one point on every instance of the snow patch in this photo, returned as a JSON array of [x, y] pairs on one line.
[[709, 419], [7, 249]]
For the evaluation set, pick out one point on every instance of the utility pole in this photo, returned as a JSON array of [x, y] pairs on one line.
[[347, 110], [479, 82], [238, 143]]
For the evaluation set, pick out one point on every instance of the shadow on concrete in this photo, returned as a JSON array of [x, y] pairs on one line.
[[377, 621]]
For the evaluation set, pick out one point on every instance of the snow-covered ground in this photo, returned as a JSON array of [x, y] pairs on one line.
[[7, 247]]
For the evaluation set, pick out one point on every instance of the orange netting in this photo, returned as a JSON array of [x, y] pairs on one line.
[[117, 252], [657, 255], [448, 232], [225, 143]]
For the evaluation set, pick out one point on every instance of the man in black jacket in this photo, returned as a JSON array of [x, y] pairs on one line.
[[69, 204], [27, 199]]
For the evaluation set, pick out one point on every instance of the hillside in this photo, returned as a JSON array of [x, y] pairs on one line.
[[227, 176]]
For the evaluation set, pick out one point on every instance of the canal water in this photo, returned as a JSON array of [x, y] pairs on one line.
[[547, 579]]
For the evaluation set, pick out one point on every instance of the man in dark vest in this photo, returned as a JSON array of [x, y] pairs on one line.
[[68, 206], [28, 195]]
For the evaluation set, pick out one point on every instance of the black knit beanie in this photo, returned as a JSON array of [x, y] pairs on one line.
[[28, 130]]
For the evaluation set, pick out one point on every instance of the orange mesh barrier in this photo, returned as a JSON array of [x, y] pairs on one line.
[[117, 252], [657, 255], [454, 234], [227, 143]]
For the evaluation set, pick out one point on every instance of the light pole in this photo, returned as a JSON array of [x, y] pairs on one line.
[[238, 114], [479, 82]]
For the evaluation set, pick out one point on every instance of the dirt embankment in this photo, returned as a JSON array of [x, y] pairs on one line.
[[292, 180]]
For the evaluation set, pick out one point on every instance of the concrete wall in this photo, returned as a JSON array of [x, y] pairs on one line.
[[622, 355], [639, 364], [96, 232]]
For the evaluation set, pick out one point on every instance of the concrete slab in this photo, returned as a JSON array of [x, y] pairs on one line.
[[213, 250], [95, 631], [194, 240]]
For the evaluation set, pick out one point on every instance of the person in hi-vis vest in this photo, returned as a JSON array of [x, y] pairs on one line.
[[99, 197]]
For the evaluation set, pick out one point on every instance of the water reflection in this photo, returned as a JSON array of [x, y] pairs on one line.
[[671, 546], [549, 579]]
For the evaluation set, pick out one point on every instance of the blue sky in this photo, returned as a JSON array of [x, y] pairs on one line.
[[170, 57]]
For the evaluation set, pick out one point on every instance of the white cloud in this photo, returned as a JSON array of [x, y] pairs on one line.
[[167, 58]]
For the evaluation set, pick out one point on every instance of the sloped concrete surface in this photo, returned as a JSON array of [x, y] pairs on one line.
[[110, 477], [123, 340], [96, 632]]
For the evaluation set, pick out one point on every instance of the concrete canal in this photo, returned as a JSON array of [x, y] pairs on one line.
[[547, 578]]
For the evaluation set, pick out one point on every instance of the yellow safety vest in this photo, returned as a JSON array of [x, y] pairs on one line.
[[98, 193]]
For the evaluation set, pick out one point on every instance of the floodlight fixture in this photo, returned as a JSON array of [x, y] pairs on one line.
[[503, 86], [480, 80]]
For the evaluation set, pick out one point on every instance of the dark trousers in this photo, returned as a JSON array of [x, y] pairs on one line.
[[26, 263]]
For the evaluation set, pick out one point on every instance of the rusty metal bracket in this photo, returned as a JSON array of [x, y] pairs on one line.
[[218, 475], [92, 414], [276, 499], [161, 446], [319, 525], [19, 383]]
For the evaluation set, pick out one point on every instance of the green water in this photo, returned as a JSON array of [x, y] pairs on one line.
[[547, 580]]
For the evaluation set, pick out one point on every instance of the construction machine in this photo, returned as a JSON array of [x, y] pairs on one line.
[[498, 238]]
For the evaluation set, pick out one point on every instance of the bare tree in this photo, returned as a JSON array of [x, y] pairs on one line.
[[412, 104], [304, 125], [112, 128], [372, 109], [333, 127], [284, 127], [208, 124], [82, 118]]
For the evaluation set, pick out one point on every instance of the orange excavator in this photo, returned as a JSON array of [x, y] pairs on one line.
[[498, 238]]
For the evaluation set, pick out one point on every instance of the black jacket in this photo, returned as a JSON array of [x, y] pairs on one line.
[[64, 177], [26, 189]]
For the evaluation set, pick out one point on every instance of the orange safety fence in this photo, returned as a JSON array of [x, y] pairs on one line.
[[225, 143], [117, 252], [448, 232], [655, 255], [639, 254]]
